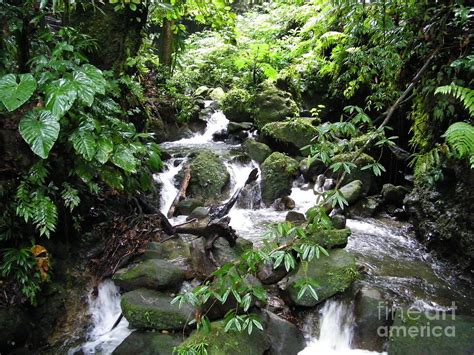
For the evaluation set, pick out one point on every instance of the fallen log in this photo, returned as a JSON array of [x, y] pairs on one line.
[[181, 192]]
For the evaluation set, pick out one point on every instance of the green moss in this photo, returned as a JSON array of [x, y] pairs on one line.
[[332, 238], [237, 105], [147, 309], [209, 177], [277, 175], [333, 273], [273, 105], [296, 131], [256, 150], [229, 343]]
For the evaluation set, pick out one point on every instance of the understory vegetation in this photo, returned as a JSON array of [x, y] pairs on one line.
[[383, 87]]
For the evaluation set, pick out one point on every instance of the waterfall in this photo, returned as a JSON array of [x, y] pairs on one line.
[[335, 333], [105, 310]]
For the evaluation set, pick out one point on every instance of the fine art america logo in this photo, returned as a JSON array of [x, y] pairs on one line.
[[417, 322]]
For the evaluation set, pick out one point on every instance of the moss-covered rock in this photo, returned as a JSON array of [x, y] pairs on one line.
[[273, 105], [148, 309], [277, 176], [170, 250], [290, 135], [333, 273], [352, 191], [237, 105], [332, 238], [366, 176], [257, 151], [421, 333], [154, 273], [220, 342], [185, 207], [285, 338], [209, 177], [394, 194], [148, 343]]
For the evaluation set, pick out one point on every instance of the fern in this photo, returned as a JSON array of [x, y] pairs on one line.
[[460, 137], [465, 95]]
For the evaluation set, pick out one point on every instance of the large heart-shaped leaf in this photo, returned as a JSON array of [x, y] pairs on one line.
[[85, 87], [123, 158], [60, 96], [84, 143], [14, 94], [40, 129], [96, 76], [105, 146]]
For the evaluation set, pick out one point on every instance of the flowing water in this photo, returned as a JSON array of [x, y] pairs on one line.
[[391, 256]]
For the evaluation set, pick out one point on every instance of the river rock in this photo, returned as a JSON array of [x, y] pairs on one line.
[[237, 105], [285, 338], [273, 105], [217, 94], [185, 207], [394, 194], [311, 169], [295, 217], [198, 213], [289, 136], [148, 309], [448, 336], [332, 238], [236, 127], [148, 343], [333, 273], [268, 275], [371, 312], [231, 342], [222, 252], [284, 203], [338, 221], [366, 176], [171, 250], [154, 274], [352, 191], [365, 207], [277, 176], [202, 91], [257, 151], [209, 177]]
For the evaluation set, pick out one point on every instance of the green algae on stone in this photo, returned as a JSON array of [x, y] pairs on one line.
[[257, 151], [273, 105], [277, 176], [295, 133]]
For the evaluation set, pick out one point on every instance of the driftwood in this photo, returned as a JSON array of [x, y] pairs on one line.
[[181, 192], [149, 209]]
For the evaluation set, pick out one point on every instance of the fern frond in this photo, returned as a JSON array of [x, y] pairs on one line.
[[465, 95], [460, 137]]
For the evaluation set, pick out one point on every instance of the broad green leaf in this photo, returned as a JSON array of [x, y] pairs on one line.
[[105, 147], [14, 94], [84, 143], [40, 129], [123, 158], [96, 76], [85, 87], [60, 96]]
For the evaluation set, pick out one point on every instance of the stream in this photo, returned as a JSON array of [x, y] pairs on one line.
[[387, 251]]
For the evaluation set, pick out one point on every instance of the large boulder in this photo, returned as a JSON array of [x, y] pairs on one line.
[[366, 175], [371, 313], [154, 273], [394, 194], [175, 249], [185, 207], [289, 136], [220, 342], [257, 151], [148, 343], [277, 176], [148, 309], [333, 273], [273, 105], [237, 105], [421, 333], [285, 338], [209, 177], [332, 238], [352, 191], [222, 253]]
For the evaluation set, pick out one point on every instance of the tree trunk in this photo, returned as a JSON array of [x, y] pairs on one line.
[[166, 48]]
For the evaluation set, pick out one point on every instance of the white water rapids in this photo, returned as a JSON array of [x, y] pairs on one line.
[[372, 242]]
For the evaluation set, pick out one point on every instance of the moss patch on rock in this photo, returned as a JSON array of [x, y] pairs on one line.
[[256, 150], [220, 342], [273, 105], [209, 177], [148, 309], [333, 273], [290, 135], [148, 343], [333, 238], [237, 105], [277, 176]]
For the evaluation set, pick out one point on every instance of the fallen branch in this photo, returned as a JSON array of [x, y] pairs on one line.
[[181, 192]]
